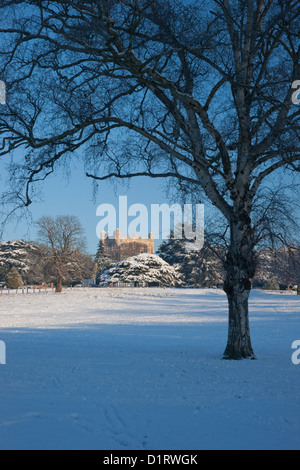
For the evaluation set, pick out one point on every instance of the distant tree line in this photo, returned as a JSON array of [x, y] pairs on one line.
[[59, 257], [65, 261], [276, 268]]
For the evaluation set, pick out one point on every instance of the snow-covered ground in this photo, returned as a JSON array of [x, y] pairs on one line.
[[141, 369]]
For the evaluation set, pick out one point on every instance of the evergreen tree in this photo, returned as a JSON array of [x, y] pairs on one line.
[[102, 259], [202, 268], [3, 273], [173, 251], [24, 256], [14, 279], [146, 269]]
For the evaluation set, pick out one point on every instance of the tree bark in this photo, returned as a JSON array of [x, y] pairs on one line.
[[239, 341], [59, 280], [240, 268]]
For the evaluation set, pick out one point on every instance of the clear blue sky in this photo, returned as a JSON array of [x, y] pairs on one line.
[[74, 196]]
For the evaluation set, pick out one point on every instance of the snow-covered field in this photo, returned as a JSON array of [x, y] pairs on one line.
[[141, 369]]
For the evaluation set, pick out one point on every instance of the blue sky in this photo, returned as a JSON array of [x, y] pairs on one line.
[[73, 195]]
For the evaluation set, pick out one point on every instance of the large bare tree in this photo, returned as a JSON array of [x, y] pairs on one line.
[[64, 244], [198, 91]]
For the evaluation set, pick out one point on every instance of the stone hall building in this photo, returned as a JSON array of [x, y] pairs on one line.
[[120, 247]]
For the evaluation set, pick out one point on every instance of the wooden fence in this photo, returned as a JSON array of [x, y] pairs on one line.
[[27, 290]]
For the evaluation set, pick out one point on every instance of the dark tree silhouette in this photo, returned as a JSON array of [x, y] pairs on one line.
[[202, 92]]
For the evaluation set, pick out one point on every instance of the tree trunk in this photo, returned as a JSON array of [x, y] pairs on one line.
[[239, 340], [59, 284], [240, 268]]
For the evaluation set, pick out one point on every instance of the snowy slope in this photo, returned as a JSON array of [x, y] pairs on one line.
[[141, 369]]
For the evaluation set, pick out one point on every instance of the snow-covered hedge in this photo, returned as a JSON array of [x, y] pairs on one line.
[[145, 269]]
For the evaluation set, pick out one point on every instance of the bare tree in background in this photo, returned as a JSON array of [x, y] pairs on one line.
[[63, 238], [288, 262], [201, 92]]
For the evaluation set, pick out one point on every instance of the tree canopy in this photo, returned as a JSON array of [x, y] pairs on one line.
[[201, 92]]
